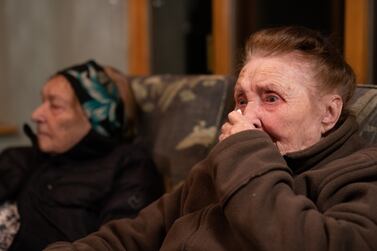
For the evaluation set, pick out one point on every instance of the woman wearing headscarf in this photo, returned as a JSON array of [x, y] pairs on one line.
[[290, 172], [80, 172]]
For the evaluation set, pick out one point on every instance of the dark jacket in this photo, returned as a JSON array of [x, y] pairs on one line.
[[67, 196], [246, 196]]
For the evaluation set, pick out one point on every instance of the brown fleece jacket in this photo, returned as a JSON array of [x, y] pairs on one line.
[[246, 196]]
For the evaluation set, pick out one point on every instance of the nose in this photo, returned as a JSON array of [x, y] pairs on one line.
[[252, 112], [38, 114]]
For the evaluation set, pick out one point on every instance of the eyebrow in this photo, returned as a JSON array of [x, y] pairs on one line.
[[272, 87], [237, 90], [262, 87]]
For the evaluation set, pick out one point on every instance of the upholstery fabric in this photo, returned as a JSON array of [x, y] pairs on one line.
[[180, 118], [365, 108]]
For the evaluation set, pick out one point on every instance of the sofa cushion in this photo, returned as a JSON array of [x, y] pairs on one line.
[[365, 108], [189, 110]]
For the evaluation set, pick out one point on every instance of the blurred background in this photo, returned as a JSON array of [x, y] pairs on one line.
[[143, 37]]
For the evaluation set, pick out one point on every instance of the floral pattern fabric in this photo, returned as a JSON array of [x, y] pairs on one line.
[[9, 224], [181, 117], [365, 108]]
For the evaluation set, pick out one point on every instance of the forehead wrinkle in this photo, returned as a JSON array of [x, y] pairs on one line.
[[263, 79], [297, 72], [272, 80], [58, 88], [63, 100], [54, 97], [282, 75]]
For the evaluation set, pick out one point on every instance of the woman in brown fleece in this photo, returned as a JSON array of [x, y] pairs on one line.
[[289, 172]]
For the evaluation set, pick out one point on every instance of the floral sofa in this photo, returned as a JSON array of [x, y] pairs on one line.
[[181, 116]]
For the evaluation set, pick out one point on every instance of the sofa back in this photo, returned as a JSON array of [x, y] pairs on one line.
[[180, 117], [364, 106]]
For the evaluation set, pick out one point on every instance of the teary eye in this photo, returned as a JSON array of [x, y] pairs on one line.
[[271, 98], [240, 98], [241, 101], [56, 106]]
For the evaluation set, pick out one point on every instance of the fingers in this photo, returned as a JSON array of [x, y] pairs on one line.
[[225, 131], [237, 123], [235, 116]]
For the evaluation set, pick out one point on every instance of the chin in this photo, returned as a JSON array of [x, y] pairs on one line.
[[45, 146], [45, 149]]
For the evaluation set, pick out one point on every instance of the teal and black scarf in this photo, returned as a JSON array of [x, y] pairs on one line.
[[99, 97]]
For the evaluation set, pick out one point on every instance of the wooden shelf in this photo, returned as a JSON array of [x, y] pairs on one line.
[[6, 129]]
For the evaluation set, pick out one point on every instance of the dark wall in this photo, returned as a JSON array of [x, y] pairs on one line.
[[323, 15], [180, 29]]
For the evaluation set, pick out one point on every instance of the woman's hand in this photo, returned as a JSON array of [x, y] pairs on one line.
[[236, 123]]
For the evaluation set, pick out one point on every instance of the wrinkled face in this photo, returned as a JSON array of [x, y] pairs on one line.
[[60, 119], [277, 94]]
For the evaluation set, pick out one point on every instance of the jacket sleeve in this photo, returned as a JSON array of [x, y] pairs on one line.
[[145, 232], [136, 184], [15, 165], [256, 191]]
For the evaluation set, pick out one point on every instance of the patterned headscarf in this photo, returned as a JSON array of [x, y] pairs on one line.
[[99, 97]]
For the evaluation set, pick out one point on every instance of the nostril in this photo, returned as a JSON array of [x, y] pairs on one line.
[[37, 118], [257, 124]]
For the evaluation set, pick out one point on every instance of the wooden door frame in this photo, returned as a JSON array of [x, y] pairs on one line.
[[138, 36], [223, 34], [356, 37]]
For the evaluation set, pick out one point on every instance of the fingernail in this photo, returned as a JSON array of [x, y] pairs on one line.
[[239, 111]]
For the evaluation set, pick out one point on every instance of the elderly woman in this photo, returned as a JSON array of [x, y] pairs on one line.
[[80, 173], [289, 172]]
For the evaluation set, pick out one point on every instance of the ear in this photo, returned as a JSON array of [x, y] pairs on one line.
[[333, 109]]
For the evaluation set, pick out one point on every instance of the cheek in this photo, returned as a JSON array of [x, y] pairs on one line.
[[281, 125], [61, 127], [276, 127], [298, 131], [74, 128], [63, 131]]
